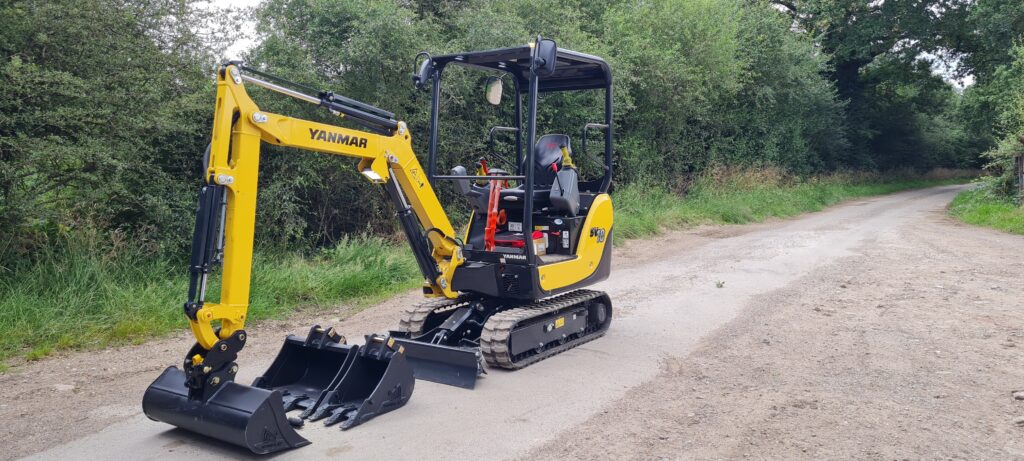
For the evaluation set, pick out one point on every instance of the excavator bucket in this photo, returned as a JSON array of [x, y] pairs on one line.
[[307, 368], [341, 383], [235, 413], [320, 375], [378, 380]]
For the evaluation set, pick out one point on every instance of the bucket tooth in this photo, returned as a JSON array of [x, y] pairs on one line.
[[246, 416], [378, 380]]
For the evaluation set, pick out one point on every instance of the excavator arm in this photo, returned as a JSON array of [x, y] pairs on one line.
[[239, 128]]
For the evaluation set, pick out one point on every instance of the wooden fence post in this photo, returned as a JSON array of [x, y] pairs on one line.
[[1019, 171]]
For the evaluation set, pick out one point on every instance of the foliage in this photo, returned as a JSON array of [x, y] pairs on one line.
[[882, 54], [103, 112], [87, 144], [790, 115], [741, 196], [986, 205], [990, 26], [79, 293], [999, 105], [913, 117]]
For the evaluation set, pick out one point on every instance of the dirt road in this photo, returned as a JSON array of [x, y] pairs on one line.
[[876, 329]]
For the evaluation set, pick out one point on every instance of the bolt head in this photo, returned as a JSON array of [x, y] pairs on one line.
[[207, 369], [223, 347], [235, 75], [215, 381]]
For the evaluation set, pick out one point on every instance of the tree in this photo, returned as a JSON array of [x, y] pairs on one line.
[[866, 39], [991, 28], [102, 106]]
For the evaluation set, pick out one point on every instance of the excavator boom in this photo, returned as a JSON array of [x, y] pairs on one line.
[[385, 157]]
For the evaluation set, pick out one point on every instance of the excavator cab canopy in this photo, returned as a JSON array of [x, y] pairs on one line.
[[539, 67], [572, 71]]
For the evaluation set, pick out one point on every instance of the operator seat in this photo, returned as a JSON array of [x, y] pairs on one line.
[[552, 186], [548, 159]]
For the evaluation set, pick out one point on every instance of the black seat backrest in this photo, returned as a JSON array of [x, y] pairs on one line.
[[549, 151]]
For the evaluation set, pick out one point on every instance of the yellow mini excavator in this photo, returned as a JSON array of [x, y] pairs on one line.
[[509, 289]]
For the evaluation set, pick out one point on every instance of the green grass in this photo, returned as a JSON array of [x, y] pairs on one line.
[[644, 211], [77, 296], [981, 207]]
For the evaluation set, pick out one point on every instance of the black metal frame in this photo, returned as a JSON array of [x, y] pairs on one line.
[[574, 71]]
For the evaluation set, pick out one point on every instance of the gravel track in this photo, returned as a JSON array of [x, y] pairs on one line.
[[879, 328]]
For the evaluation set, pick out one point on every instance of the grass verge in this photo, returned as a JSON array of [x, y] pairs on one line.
[[75, 296], [740, 197], [980, 206]]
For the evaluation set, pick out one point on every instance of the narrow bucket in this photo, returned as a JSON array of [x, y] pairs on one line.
[[378, 380], [454, 366], [305, 369], [237, 414]]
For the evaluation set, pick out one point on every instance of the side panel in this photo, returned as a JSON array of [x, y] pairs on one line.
[[595, 236]]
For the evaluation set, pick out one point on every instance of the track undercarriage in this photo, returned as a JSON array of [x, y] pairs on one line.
[[458, 334]]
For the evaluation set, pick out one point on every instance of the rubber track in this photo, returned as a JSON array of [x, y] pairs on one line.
[[495, 336], [414, 317]]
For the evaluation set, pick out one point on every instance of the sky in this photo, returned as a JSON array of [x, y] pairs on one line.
[[243, 43]]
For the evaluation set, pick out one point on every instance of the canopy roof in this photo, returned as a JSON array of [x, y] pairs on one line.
[[574, 70]]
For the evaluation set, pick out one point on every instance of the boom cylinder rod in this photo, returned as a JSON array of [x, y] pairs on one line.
[[368, 120], [280, 89]]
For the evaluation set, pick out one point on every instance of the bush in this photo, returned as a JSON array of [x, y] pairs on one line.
[[986, 205]]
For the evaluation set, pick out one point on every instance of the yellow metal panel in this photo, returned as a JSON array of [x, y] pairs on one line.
[[320, 137], [588, 252]]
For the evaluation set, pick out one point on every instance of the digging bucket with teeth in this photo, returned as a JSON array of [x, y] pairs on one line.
[[305, 369], [378, 380]]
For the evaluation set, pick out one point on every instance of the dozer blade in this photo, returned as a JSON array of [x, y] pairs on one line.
[[241, 415], [378, 380], [305, 369], [454, 366]]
